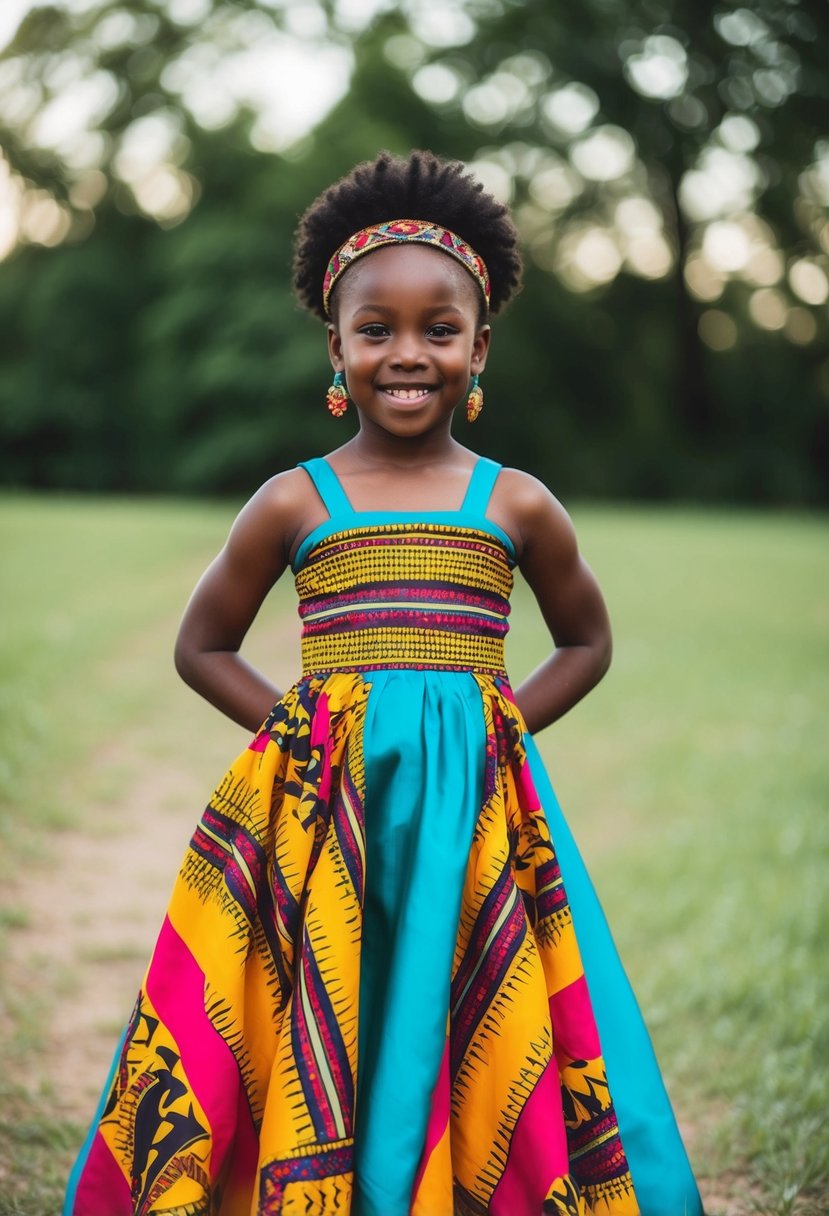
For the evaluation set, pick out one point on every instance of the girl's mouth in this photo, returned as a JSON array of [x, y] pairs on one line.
[[407, 394]]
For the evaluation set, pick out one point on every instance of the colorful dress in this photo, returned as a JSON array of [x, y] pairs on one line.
[[384, 986]]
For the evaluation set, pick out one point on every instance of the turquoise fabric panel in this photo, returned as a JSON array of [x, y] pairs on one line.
[[327, 484], [425, 743], [659, 1165], [481, 483]]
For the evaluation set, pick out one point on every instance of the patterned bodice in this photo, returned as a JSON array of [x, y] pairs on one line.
[[428, 591]]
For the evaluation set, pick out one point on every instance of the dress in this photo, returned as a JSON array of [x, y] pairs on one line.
[[375, 879]]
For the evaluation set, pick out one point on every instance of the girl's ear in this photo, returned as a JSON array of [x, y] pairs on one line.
[[480, 349], [335, 348]]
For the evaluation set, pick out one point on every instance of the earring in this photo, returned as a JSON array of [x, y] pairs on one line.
[[475, 401], [337, 396]]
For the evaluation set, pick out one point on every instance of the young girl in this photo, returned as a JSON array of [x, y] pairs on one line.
[[384, 985]]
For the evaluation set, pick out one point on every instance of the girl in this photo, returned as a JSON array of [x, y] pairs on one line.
[[374, 993]]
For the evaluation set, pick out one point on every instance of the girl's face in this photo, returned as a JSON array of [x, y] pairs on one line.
[[407, 336]]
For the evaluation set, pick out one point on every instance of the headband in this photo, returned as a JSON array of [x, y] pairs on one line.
[[393, 232]]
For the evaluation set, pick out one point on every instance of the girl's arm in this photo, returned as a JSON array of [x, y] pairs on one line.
[[568, 596], [227, 598]]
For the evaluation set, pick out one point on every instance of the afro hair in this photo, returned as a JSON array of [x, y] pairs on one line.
[[420, 186]]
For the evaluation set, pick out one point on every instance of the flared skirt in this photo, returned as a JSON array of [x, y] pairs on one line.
[[385, 987]]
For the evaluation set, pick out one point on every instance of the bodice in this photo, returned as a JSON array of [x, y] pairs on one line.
[[424, 591]]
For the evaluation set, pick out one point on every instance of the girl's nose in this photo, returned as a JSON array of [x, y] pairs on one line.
[[407, 352]]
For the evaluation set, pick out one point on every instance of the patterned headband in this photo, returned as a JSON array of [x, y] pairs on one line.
[[392, 232]]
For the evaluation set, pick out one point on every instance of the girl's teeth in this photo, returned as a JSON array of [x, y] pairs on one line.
[[408, 394]]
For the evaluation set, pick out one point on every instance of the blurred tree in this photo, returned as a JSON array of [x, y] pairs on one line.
[[664, 164], [679, 144]]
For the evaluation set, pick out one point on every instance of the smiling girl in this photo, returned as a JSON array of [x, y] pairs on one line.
[[385, 986]]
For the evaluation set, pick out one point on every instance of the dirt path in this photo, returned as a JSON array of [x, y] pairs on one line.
[[92, 911], [92, 918]]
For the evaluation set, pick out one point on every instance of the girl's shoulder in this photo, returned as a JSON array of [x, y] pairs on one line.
[[283, 497], [529, 512], [284, 509], [285, 489], [523, 487]]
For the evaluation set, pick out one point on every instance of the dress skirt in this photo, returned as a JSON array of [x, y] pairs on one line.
[[385, 987]]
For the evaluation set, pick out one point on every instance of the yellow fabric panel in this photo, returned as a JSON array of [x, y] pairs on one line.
[[434, 552], [434, 1194], [426, 647], [185, 1178]]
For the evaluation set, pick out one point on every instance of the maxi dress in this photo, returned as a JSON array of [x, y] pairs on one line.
[[384, 985]]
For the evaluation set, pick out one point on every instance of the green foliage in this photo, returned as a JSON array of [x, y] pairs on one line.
[[173, 358]]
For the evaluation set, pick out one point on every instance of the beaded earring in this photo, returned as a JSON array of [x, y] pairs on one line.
[[337, 396], [475, 401]]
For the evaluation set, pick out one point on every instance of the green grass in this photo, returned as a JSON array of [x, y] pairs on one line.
[[695, 778], [97, 588], [85, 582], [34, 1151]]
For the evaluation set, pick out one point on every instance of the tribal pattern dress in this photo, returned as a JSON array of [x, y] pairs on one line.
[[384, 985]]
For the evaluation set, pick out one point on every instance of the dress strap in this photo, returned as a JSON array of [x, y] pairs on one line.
[[327, 485], [480, 487]]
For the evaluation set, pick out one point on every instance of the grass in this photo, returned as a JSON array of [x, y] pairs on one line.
[[35, 1150], [698, 775], [695, 778], [84, 660]]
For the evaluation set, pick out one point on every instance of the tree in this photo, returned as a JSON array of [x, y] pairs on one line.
[[677, 143], [665, 170]]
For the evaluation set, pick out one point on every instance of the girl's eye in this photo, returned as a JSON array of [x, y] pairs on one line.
[[374, 330], [442, 331]]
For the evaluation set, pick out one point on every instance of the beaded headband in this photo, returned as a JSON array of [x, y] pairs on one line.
[[392, 232]]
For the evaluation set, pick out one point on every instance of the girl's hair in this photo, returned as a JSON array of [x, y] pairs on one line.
[[420, 186]]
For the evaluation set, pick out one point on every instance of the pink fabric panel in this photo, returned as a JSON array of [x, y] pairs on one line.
[[527, 793], [102, 1176], [175, 986], [538, 1151], [438, 1115], [243, 1175], [575, 1036], [320, 722], [320, 737]]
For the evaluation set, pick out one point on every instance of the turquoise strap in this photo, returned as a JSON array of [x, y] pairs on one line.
[[481, 483], [327, 486]]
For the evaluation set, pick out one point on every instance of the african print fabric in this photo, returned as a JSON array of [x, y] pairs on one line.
[[237, 1077], [395, 232], [246, 1084]]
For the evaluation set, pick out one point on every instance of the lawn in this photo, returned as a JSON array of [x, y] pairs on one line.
[[695, 778]]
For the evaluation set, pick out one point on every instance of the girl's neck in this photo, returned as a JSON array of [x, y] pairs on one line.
[[372, 448]]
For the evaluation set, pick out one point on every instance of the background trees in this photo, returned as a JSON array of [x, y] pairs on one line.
[[669, 169]]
